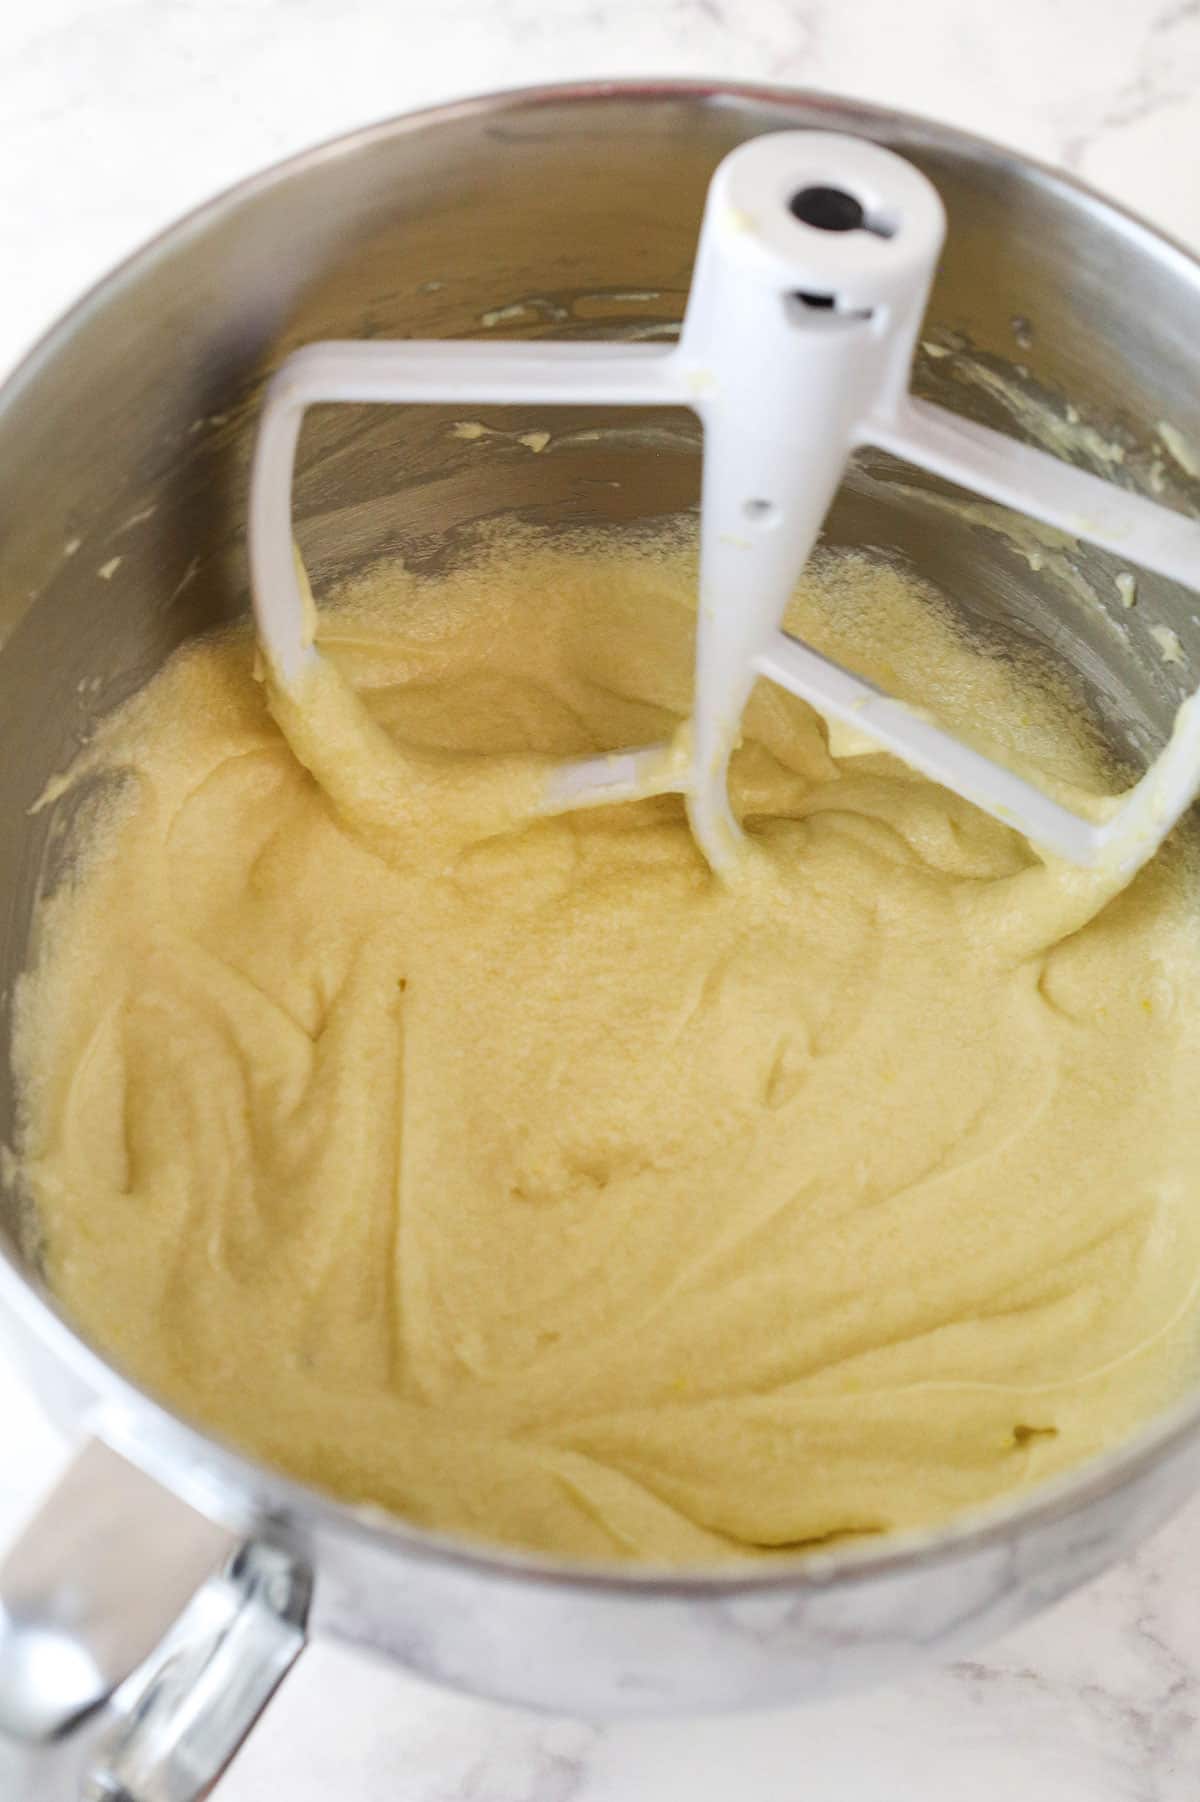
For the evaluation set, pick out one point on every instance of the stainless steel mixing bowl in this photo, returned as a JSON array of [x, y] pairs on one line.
[[123, 452]]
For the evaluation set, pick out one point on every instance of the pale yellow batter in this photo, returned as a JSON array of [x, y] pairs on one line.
[[523, 1178]]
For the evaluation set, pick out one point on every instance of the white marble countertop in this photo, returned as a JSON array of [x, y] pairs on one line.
[[115, 116]]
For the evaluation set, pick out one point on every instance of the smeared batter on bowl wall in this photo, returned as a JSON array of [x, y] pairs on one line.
[[522, 1178]]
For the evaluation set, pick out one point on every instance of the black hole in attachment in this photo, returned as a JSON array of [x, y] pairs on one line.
[[828, 209], [824, 301]]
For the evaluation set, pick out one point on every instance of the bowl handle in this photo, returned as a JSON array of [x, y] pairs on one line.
[[139, 1640]]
